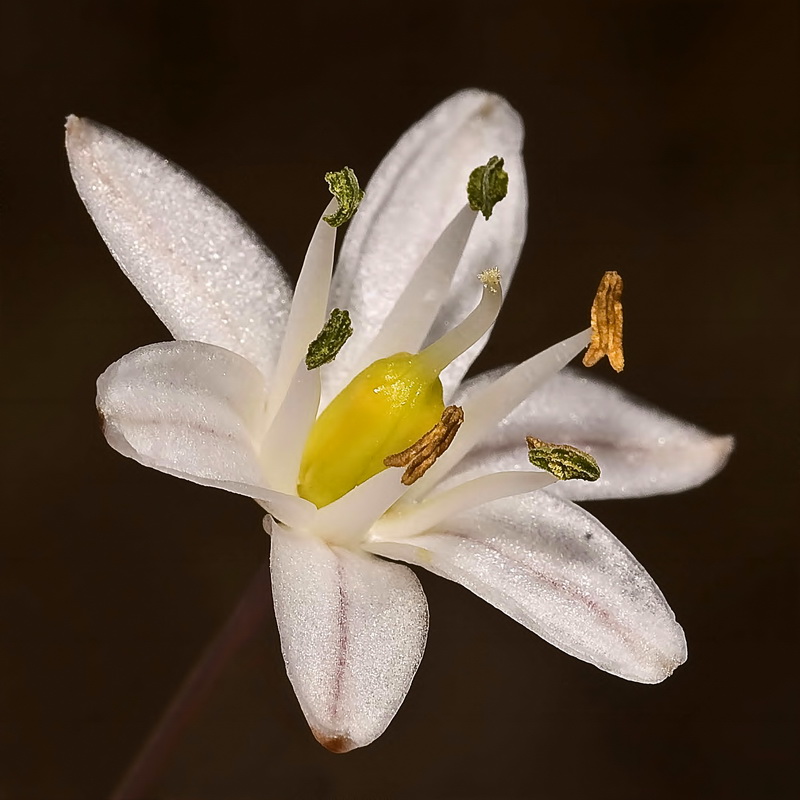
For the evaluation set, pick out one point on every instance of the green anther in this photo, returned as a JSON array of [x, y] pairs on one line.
[[335, 332], [487, 186], [562, 460], [344, 187]]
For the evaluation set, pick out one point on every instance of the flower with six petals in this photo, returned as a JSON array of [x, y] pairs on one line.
[[232, 403]]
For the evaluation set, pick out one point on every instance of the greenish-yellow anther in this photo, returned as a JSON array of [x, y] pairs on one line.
[[344, 187], [487, 186], [562, 460], [330, 340], [383, 410]]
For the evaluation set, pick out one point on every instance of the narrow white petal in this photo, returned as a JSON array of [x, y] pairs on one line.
[[285, 440], [352, 630], [408, 520], [196, 411], [484, 408], [641, 450], [309, 307], [555, 569], [204, 272], [415, 192]]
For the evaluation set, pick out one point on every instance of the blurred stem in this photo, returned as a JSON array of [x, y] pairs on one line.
[[241, 627]]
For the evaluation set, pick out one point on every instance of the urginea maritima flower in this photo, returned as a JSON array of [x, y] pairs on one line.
[[341, 408]]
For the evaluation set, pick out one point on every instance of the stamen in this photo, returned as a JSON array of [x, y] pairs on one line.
[[487, 186], [607, 323], [344, 187], [408, 323], [347, 520], [403, 521], [418, 458], [463, 336], [488, 406], [309, 308], [564, 461], [282, 447], [330, 340]]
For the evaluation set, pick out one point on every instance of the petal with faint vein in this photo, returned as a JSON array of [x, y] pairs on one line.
[[194, 260], [413, 195], [641, 451], [555, 569], [352, 630], [196, 411]]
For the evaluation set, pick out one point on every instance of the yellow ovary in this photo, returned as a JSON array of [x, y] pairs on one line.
[[383, 410]]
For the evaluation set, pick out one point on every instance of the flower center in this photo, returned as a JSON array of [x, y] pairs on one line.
[[394, 402], [383, 410]]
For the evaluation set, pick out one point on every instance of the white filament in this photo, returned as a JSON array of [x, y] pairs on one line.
[[309, 307], [282, 447], [347, 520], [411, 519], [488, 406], [412, 316]]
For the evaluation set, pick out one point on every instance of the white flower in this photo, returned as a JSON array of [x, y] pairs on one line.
[[231, 404]]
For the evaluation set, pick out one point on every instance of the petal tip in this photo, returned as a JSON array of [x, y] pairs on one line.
[[488, 100], [712, 457], [667, 667], [336, 743], [724, 446], [667, 660], [78, 131], [487, 107], [671, 664], [496, 108]]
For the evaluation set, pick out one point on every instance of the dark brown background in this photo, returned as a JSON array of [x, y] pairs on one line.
[[662, 141]]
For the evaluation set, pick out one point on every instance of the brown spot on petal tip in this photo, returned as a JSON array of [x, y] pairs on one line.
[[488, 106], [76, 130], [336, 744]]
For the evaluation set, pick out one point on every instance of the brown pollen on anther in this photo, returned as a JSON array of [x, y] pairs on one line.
[[420, 457], [607, 323]]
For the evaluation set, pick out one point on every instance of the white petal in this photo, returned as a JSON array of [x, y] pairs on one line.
[[641, 451], [204, 272], [352, 631], [555, 569], [415, 193], [196, 411]]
